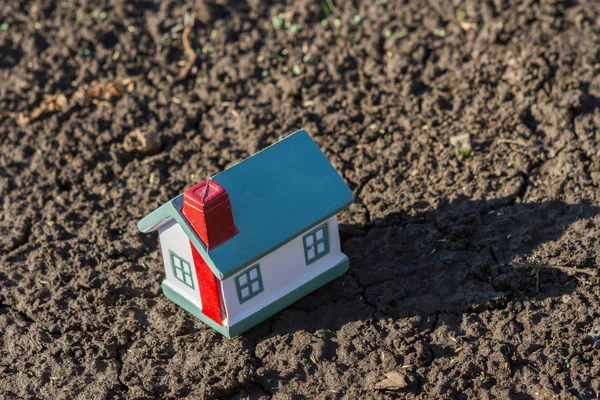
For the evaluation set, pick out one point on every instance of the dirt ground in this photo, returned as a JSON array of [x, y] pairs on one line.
[[474, 265]]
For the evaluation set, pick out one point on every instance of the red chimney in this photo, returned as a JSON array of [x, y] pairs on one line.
[[207, 208]]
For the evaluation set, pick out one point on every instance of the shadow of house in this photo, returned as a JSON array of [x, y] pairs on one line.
[[463, 256]]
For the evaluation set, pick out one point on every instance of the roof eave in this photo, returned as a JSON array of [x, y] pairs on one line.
[[152, 221]]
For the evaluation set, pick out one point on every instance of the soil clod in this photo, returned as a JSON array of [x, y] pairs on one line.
[[143, 142]]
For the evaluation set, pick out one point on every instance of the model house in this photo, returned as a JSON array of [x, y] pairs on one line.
[[251, 240]]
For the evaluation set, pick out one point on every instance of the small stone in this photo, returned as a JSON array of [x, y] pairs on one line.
[[595, 334], [462, 144]]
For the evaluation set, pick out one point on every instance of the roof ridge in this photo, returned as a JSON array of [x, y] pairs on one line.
[[205, 195]]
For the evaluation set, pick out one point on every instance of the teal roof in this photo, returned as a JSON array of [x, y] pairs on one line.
[[275, 195]]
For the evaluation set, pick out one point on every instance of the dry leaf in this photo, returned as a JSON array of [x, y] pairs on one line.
[[466, 26], [50, 103], [396, 381], [103, 91]]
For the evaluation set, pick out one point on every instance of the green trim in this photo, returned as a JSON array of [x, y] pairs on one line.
[[248, 284], [296, 294], [193, 309], [182, 269], [315, 243]]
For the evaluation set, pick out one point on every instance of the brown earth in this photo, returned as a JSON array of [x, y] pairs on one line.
[[474, 273]]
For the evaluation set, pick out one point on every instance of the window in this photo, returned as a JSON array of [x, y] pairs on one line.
[[182, 270], [249, 284], [316, 244]]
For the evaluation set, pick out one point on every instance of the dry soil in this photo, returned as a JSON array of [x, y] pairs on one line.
[[474, 271]]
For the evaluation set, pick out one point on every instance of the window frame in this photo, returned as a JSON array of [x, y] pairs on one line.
[[313, 234], [182, 261], [248, 284]]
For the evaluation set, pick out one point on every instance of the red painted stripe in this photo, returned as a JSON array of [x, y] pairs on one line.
[[210, 293]]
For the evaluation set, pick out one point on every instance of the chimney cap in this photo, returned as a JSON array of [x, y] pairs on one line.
[[204, 192], [207, 208]]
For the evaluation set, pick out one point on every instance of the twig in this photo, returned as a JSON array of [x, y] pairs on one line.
[[189, 52], [511, 141], [154, 158], [573, 270]]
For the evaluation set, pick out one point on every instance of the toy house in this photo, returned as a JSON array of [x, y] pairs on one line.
[[244, 244]]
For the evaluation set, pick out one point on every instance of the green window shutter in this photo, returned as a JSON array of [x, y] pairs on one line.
[[182, 270], [249, 284], [316, 244]]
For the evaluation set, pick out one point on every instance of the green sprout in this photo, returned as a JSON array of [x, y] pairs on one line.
[[297, 70], [278, 21], [439, 32], [175, 31], [357, 19], [328, 7], [4, 26], [293, 28]]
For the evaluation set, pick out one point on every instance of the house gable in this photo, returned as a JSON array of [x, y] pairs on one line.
[[172, 210], [187, 272], [178, 259]]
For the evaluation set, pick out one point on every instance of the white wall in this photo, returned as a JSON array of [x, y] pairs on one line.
[[282, 271], [173, 238]]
